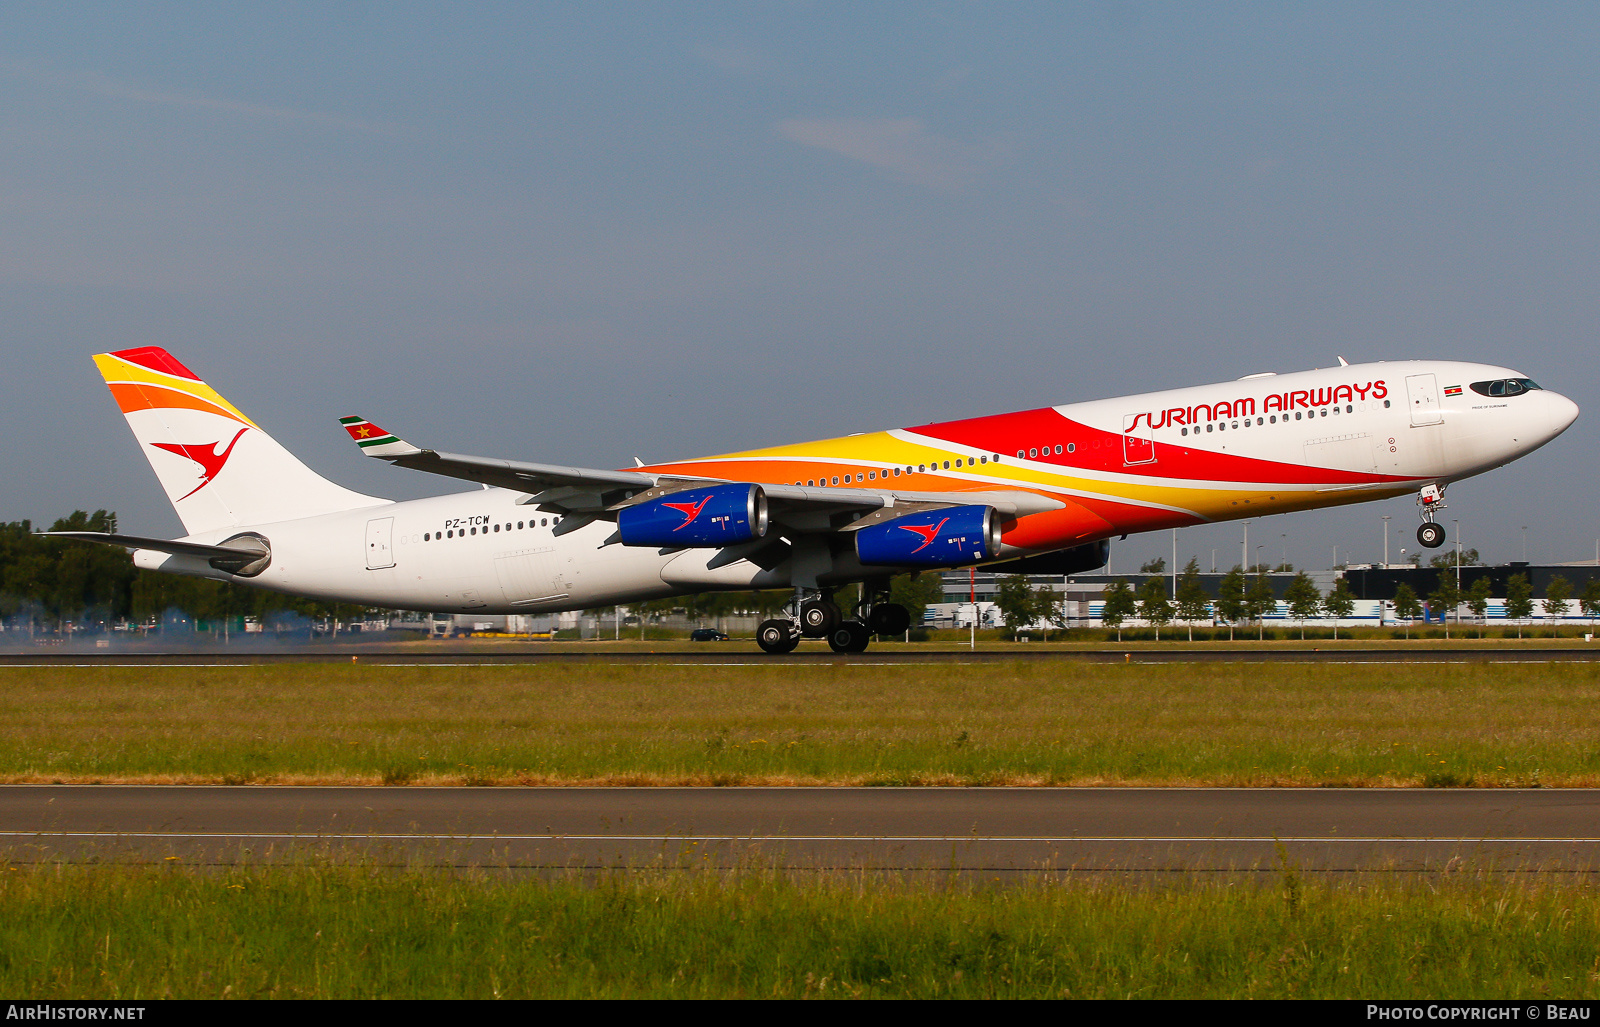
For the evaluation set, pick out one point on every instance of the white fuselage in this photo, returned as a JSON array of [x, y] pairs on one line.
[[498, 554]]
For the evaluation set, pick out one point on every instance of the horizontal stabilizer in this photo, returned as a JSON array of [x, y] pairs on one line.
[[240, 555]]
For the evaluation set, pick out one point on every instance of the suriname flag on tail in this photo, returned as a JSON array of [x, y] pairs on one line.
[[374, 441]]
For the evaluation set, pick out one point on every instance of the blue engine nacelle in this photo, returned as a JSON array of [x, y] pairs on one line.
[[934, 538], [720, 515]]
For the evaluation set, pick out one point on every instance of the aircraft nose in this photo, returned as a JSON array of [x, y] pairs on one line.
[[1562, 412]]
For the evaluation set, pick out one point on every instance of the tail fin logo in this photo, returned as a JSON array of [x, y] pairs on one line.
[[205, 454], [690, 511]]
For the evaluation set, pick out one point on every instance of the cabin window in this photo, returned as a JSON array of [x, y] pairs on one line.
[[1032, 453], [1072, 446], [983, 459], [425, 536]]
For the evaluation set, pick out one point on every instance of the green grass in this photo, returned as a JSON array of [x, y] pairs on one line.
[[326, 931], [1045, 723]]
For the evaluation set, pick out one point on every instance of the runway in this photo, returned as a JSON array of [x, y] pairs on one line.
[[1000, 832], [740, 654]]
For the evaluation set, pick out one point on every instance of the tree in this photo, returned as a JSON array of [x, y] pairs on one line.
[[1589, 601], [1260, 601], [1478, 596], [916, 592], [1556, 596], [1047, 609], [1014, 597], [1230, 599], [1468, 558], [1407, 606], [1339, 603], [1119, 605], [1519, 599], [1193, 603], [1304, 599], [1154, 606], [1156, 566], [1445, 598]]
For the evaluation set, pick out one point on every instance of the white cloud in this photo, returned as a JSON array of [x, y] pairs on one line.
[[903, 147], [104, 86]]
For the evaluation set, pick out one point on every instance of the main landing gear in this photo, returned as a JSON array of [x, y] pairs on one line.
[[818, 616], [1430, 500]]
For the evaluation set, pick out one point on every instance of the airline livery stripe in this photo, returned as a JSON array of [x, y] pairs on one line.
[[134, 396]]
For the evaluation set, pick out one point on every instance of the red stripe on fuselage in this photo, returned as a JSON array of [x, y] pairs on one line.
[[1097, 450]]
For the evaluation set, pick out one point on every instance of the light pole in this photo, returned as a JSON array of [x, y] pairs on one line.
[[1244, 549], [1386, 541], [1258, 557], [1175, 565], [1524, 543], [1455, 529], [1284, 538]]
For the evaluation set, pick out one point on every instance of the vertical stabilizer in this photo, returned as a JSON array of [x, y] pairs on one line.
[[219, 468]]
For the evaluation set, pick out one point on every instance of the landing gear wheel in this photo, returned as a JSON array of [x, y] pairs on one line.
[[889, 619], [1431, 535], [850, 637], [819, 617], [777, 637]]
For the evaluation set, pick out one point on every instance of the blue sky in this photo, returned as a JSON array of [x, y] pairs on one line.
[[582, 232]]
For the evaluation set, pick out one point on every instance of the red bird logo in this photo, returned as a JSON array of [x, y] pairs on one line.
[[211, 462], [689, 510], [927, 531]]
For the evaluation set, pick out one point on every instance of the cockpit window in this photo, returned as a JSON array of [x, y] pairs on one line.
[[1505, 387]]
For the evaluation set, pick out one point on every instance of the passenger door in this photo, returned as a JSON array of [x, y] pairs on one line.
[[380, 543], [1422, 392]]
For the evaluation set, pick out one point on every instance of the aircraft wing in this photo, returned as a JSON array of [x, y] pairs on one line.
[[593, 494], [568, 488]]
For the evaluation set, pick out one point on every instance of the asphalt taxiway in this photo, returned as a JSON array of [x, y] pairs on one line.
[[1000, 831]]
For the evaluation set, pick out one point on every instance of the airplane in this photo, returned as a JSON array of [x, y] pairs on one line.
[[1036, 491]]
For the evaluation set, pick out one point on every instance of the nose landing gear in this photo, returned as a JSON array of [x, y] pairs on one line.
[[1430, 500]]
